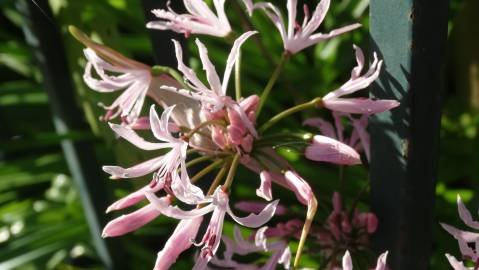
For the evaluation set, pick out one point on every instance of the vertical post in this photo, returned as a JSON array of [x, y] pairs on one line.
[[43, 36], [410, 35]]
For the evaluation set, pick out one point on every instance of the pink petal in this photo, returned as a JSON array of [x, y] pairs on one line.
[[233, 57], [329, 150], [360, 105], [166, 209], [130, 222], [253, 220], [325, 127], [466, 215], [132, 198], [381, 264], [457, 265], [264, 191], [131, 136], [179, 241], [211, 74], [347, 263], [300, 187], [463, 238], [135, 171], [318, 17], [256, 207]]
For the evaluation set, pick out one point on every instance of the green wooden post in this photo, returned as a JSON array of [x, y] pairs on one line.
[[410, 35], [43, 36]]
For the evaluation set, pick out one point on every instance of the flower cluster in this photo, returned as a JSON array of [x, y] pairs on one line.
[[201, 124]]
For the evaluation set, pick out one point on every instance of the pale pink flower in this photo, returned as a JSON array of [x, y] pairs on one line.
[[132, 77], [199, 19], [327, 149], [464, 238], [213, 97], [297, 37], [281, 253], [170, 168], [219, 205], [333, 100], [348, 264], [181, 240]]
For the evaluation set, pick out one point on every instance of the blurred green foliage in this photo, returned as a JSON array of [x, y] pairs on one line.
[[42, 225]]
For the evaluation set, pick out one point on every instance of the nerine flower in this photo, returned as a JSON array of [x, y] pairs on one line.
[[468, 241], [219, 205], [199, 19], [297, 37], [281, 253], [170, 168], [109, 71], [213, 97], [335, 102], [134, 80]]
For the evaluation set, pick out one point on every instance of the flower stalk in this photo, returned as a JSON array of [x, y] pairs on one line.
[[272, 81], [280, 116]]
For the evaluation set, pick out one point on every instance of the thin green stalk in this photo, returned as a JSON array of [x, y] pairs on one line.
[[312, 206], [272, 81], [232, 172], [197, 160], [206, 170], [238, 77], [218, 178], [308, 105]]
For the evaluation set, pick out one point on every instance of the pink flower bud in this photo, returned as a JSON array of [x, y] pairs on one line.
[[130, 222], [329, 150]]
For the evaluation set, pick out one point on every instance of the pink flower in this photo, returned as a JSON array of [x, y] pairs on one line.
[[213, 97], [256, 207], [296, 37], [134, 79], [171, 172], [219, 205], [329, 150], [333, 100], [181, 240], [199, 19], [281, 253], [464, 238], [381, 264]]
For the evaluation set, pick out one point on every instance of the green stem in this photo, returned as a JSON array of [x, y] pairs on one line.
[[232, 172], [308, 105], [206, 170], [272, 81], [217, 180], [197, 160], [238, 77]]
